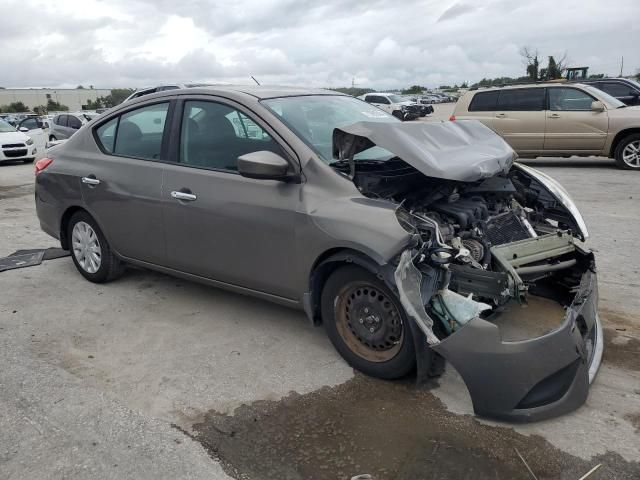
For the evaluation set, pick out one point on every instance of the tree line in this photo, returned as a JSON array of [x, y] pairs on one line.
[[117, 96]]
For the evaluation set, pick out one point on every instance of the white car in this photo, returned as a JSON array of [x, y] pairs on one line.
[[15, 145], [394, 104]]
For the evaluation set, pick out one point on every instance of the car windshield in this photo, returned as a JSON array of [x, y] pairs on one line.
[[5, 127], [314, 117], [605, 96]]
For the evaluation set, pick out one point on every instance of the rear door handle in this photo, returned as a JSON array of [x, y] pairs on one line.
[[91, 180], [554, 115], [501, 115], [185, 196]]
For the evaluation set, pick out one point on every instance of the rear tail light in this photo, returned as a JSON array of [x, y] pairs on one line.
[[452, 118], [42, 164]]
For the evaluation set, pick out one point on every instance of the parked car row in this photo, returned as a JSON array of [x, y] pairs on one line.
[[398, 106], [438, 98]]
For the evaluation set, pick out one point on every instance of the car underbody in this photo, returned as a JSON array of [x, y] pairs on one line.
[[494, 277]]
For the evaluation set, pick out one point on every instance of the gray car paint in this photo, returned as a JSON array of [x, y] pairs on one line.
[[465, 151], [259, 237]]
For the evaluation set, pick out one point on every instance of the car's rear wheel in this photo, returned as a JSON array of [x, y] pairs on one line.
[[366, 323], [627, 152], [52, 138], [90, 250]]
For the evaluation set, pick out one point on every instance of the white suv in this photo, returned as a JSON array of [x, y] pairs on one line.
[[394, 104]]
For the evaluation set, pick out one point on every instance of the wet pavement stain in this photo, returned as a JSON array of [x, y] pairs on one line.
[[634, 418], [621, 350], [391, 430]]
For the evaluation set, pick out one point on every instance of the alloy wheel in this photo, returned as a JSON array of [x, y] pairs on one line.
[[86, 247], [631, 154]]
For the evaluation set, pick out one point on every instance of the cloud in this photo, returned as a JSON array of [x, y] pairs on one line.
[[455, 10], [378, 43]]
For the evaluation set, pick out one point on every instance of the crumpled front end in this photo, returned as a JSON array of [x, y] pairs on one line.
[[517, 369], [495, 279], [519, 324]]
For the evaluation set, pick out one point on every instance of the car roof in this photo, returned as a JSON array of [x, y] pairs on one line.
[[525, 85], [255, 91]]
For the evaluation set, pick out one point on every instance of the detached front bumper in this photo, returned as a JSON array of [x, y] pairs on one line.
[[533, 379]]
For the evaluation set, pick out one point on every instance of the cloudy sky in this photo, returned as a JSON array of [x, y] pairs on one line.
[[382, 44]]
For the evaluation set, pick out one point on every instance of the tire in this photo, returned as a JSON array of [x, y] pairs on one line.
[[386, 352], [398, 114], [28, 160], [626, 157], [52, 138], [83, 233]]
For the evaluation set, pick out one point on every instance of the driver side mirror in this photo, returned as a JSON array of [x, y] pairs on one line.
[[597, 106], [263, 165]]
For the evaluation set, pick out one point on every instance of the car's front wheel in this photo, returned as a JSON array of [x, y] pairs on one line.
[[366, 323], [52, 138], [90, 250], [627, 152]]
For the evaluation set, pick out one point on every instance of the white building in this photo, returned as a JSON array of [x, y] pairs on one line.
[[74, 98]]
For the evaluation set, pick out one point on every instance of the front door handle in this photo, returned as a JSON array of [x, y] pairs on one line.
[[185, 196], [554, 115], [501, 115], [91, 180]]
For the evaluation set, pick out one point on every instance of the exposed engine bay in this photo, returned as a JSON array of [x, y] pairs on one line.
[[461, 232]]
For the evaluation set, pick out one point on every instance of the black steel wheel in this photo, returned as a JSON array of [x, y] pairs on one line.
[[366, 323]]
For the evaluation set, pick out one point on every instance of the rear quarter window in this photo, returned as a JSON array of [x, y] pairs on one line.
[[106, 135], [484, 102]]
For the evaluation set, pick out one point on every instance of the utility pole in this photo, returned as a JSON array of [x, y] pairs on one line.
[[621, 65]]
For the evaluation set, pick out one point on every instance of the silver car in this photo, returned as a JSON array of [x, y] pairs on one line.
[[409, 242], [64, 125]]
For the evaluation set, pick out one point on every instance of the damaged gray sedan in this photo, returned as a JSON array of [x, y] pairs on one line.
[[410, 242]]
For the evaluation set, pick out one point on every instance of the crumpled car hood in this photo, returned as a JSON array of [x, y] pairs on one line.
[[465, 151]]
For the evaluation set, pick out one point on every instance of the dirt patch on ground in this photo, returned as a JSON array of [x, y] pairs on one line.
[[621, 350], [15, 191], [390, 430], [621, 340], [634, 418]]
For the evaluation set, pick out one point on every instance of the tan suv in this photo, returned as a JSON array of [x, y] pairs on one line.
[[557, 120]]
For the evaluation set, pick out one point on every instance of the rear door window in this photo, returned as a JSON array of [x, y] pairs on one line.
[[484, 102], [521, 99], [140, 132]]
